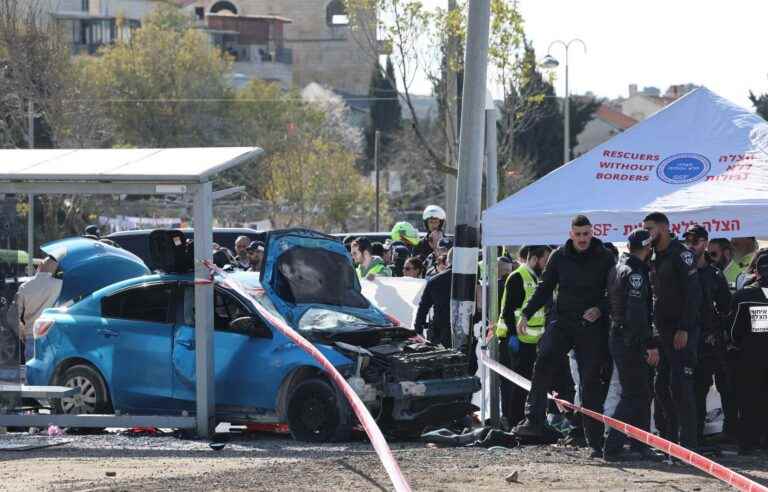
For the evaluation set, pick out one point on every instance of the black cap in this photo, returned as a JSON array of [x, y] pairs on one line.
[[255, 246], [696, 231], [639, 238], [92, 230]]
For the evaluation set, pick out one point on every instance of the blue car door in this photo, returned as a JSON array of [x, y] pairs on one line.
[[140, 321], [242, 372]]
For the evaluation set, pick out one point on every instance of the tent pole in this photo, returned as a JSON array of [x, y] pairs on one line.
[[205, 395]]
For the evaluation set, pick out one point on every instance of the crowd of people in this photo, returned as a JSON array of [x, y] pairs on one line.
[[670, 317], [664, 320]]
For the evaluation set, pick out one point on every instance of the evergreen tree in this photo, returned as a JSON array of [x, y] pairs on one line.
[[540, 141], [386, 112], [760, 103]]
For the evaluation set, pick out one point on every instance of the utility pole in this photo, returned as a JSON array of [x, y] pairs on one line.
[[491, 253], [470, 179], [451, 120], [376, 139], [31, 197]]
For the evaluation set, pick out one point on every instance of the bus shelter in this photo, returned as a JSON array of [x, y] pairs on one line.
[[188, 172]]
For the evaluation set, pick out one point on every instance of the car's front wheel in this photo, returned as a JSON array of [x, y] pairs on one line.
[[315, 413], [93, 397]]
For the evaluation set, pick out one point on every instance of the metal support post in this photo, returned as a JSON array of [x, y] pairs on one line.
[[31, 235], [376, 141], [491, 253], [202, 216], [567, 117], [467, 235]]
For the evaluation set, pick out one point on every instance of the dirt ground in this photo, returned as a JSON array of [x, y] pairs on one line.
[[269, 462]]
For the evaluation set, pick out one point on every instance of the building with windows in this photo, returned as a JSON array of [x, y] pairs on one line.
[[315, 35], [90, 24]]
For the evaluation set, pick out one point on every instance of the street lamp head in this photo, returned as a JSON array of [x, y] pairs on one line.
[[549, 62]]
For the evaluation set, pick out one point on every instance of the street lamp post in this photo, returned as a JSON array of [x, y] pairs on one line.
[[551, 62]]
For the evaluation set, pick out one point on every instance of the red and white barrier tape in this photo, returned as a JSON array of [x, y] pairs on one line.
[[706, 465], [363, 415]]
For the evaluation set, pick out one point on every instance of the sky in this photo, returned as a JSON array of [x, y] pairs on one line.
[[717, 44]]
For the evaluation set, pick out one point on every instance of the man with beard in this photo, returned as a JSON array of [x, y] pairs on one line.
[[720, 252], [716, 303], [520, 354], [579, 270], [678, 303]]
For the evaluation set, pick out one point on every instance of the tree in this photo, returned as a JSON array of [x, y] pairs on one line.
[[34, 63], [386, 113], [307, 175], [418, 37], [760, 103], [166, 87], [533, 123]]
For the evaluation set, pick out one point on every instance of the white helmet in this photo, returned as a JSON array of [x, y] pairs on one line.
[[433, 212]]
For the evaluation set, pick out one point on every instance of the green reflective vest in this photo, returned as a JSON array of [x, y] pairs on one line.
[[375, 267], [536, 322], [736, 267]]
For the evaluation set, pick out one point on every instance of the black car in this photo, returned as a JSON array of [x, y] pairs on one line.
[[137, 241]]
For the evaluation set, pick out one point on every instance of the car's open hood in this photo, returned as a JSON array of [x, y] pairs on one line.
[[87, 266], [304, 268]]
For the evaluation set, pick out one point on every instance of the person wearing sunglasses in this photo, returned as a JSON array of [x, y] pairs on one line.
[[715, 307], [413, 268]]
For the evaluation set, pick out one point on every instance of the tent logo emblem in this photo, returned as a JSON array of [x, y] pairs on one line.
[[683, 168]]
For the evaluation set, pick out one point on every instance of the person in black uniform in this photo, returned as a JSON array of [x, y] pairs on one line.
[[678, 303], [715, 306], [631, 341], [579, 270], [749, 314], [436, 296]]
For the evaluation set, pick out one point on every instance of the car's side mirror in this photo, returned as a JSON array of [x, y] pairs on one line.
[[250, 326]]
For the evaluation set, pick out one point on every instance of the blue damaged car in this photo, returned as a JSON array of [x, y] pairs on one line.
[[126, 338]]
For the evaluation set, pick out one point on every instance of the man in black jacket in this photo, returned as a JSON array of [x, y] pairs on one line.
[[631, 341], [579, 270], [749, 314], [436, 296], [677, 309], [716, 303]]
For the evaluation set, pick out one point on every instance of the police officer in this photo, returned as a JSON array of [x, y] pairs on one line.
[[716, 303], [676, 312], [519, 353], [631, 341], [579, 270], [749, 312]]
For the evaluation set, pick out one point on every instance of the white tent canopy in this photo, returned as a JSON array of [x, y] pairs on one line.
[[700, 160]]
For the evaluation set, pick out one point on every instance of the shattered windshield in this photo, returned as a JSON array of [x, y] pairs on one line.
[[315, 276], [329, 321]]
